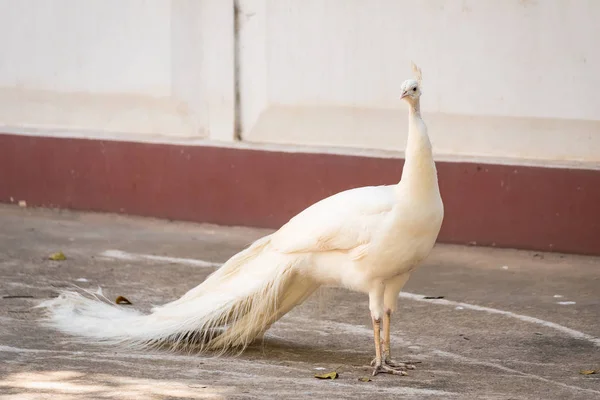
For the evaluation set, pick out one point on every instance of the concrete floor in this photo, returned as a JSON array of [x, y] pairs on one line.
[[498, 333]]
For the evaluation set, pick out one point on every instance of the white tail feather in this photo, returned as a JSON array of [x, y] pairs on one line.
[[226, 271], [227, 311]]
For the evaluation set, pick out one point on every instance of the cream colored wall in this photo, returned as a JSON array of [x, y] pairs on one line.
[[506, 78], [132, 67], [513, 79]]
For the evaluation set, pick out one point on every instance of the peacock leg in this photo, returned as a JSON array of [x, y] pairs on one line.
[[390, 303], [376, 307], [387, 354], [378, 363]]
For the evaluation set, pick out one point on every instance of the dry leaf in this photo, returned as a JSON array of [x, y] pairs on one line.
[[588, 371], [365, 379], [122, 300], [59, 256], [329, 375]]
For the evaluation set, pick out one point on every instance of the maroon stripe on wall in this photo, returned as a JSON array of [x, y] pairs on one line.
[[499, 205]]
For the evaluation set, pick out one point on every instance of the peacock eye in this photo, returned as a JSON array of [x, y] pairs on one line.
[[414, 89]]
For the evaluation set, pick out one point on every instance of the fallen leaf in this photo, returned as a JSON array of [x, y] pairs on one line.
[[589, 371], [364, 379], [433, 297], [122, 300], [59, 256], [22, 203], [329, 375]]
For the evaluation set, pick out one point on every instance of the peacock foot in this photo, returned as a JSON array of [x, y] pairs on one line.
[[400, 365], [386, 368]]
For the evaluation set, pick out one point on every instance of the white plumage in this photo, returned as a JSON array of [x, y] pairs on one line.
[[367, 239]]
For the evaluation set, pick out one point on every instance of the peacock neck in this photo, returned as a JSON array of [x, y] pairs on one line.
[[419, 175]]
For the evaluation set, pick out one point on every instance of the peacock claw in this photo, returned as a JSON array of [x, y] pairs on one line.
[[398, 365], [384, 368]]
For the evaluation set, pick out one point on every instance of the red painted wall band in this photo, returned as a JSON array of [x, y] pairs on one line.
[[536, 208]]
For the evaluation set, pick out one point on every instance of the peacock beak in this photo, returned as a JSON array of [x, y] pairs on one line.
[[404, 94]]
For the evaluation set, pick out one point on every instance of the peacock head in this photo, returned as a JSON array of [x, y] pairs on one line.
[[411, 90]]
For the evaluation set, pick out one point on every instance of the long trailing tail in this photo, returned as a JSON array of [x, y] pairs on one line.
[[228, 311]]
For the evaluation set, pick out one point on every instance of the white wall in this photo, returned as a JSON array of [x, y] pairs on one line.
[[139, 67], [502, 78], [510, 78]]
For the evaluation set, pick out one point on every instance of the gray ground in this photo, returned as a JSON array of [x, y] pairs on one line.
[[464, 352]]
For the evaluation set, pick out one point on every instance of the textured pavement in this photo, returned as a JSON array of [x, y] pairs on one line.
[[499, 332]]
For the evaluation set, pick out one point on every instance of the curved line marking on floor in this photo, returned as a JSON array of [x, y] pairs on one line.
[[525, 318]]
